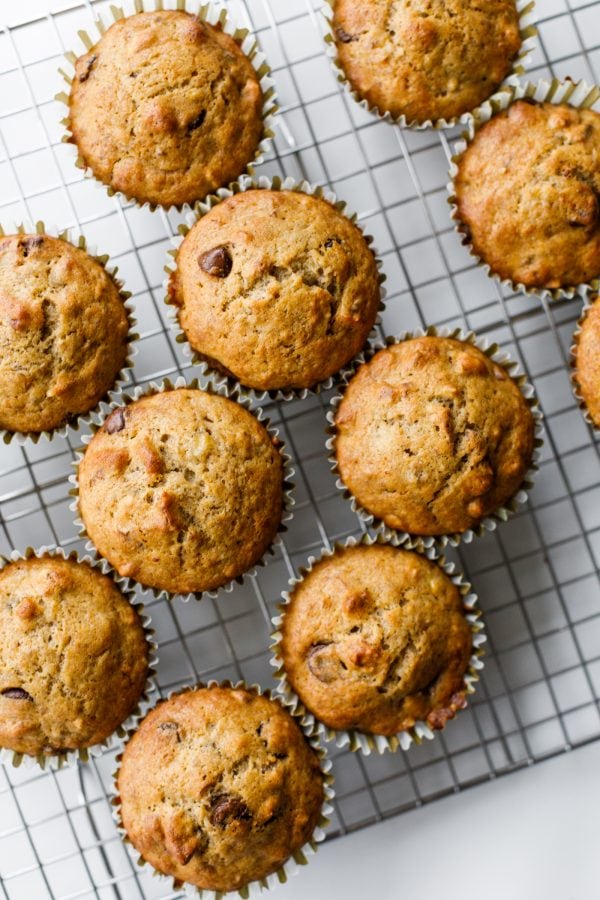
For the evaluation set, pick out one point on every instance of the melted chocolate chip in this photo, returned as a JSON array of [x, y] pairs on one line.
[[226, 808], [30, 243], [344, 37], [216, 262], [115, 422], [323, 663], [16, 693], [88, 68], [198, 121]]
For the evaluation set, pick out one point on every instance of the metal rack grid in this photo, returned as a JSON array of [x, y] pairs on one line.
[[537, 576]]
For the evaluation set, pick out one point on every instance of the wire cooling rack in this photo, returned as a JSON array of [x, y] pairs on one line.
[[537, 576]]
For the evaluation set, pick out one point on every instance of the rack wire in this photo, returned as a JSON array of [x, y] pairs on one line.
[[537, 576]]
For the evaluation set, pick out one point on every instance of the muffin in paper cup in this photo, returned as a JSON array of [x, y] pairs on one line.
[[291, 866], [528, 33], [208, 13], [56, 761], [592, 303], [245, 402], [577, 94], [123, 377], [209, 367], [490, 521]]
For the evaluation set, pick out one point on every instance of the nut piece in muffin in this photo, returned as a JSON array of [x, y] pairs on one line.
[[63, 332], [182, 490], [432, 436], [165, 108], [527, 192], [375, 639], [73, 656], [218, 787], [277, 288], [586, 354], [426, 59]]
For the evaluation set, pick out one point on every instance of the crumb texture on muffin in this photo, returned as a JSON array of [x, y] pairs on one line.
[[63, 332], [432, 436], [181, 490], [165, 108], [527, 193], [426, 59], [219, 787], [375, 638], [73, 656], [277, 288], [587, 361]]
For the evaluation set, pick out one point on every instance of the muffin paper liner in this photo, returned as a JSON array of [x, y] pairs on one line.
[[575, 383], [84, 754], [489, 522], [367, 742], [123, 377], [206, 12], [290, 867], [528, 31], [200, 210], [578, 94], [245, 402]]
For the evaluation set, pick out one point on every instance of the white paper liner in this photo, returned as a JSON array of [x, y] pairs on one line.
[[212, 15], [366, 742], [489, 522], [590, 301], [216, 376], [525, 9], [246, 403], [300, 858], [59, 760], [123, 378], [578, 94]]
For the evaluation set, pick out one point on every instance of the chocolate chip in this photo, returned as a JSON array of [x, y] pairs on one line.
[[329, 242], [115, 422], [344, 37], [225, 808], [88, 68], [198, 121], [216, 262], [16, 693], [170, 728], [30, 243], [323, 663]]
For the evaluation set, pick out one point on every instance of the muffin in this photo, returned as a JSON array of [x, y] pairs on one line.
[[586, 355], [165, 108], [63, 332], [374, 639], [276, 288], [431, 436], [237, 791], [181, 490], [427, 59], [526, 194], [73, 656]]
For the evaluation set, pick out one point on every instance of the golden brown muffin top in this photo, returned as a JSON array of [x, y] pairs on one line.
[[426, 59], [73, 656], [432, 436], [63, 332], [181, 490], [278, 288], [218, 787], [165, 108], [527, 192], [375, 639], [587, 361]]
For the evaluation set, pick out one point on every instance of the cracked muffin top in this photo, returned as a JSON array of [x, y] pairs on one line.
[[587, 361], [276, 288], [219, 787], [182, 490], [527, 192], [73, 656], [432, 436], [375, 639], [63, 332], [426, 59], [165, 108]]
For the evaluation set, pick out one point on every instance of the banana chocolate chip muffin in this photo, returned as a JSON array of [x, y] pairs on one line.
[[431, 436], [375, 639], [218, 787], [527, 191], [586, 354], [63, 332], [276, 287], [73, 656], [165, 108], [426, 59], [182, 490]]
